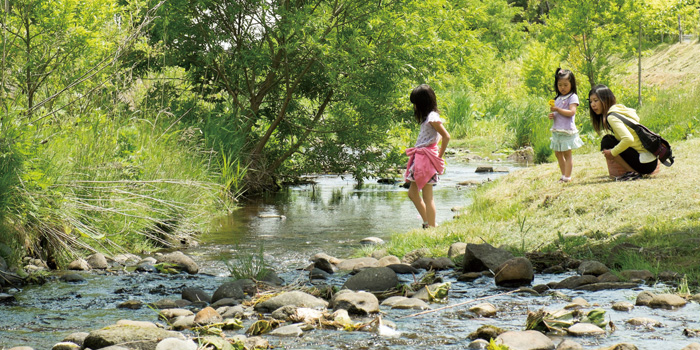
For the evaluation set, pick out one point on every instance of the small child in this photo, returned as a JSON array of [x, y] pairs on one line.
[[564, 133], [425, 161]]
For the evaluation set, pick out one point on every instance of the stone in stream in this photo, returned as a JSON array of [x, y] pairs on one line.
[[376, 279], [484, 310], [181, 260], [234, 290], [291, 330], [296, 298], [130, 304], [362, 303], [353, 264], [207, 316], [644, 321], [568, 344], [525, 340], [414, 255], [410, 304], [692, 346], [323, 264], [97, 261], [79, 264], [136, 337], [480, 257], [77, 338], [667, 301], [194, 294], [176, 344], [487, 332], [592, 267], [644, 298], [65, 346], [637, 275], [623, 306], [585, 329], [403, 268], [389, 260], [514, 273]]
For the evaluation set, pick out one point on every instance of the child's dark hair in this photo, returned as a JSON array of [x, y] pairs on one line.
[[564, 74], [424, 100], [607, 100]]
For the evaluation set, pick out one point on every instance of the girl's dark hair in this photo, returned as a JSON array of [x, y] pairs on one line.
[[424, 100], [564, 74], [607, 100]]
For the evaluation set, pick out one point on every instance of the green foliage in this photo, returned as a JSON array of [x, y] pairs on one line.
[[246, 265], [539, 65], [493, 346]]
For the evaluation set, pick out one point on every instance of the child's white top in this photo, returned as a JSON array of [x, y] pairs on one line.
[[428, 135], [562, 123]]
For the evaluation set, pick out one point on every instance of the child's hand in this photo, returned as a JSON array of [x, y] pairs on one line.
[[550, 115], [554, 109]]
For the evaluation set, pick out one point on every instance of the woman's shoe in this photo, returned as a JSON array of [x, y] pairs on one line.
[[630, 175]]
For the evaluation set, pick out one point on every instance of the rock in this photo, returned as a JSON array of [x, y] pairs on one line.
[[323, 264], [318, 274], [514, 273], [667, 301], [478, 344], [76, 338], [296, 298], [97, 261], [194, 294], [525, 340], [568, 344], [72, 278], [288, 331], [692, 346], [352, 264], [237, 311], [65, 346], [456, 249], [487, 333], [233, 290], [180, 259], [361, 303], [270, 277], [414, 255], [389, 260], [423, 294], [164, 304], [207, 316], [390, 301], [403, 268], [607, 285], [484, 169], [131, 304], [225, 302], [256, 343], [376, 279], [480, 257], [21, 348], [141, 324], [410, 304], [644, 321], [469, 276], [577, 303], [592, 267], [169, 314], [284, 312], [126, 259], [644, 298], [585, 329], [331, 259], [137, 337], [608, 277], [176, 344], [79, 264], [576, 281], [523, 155], [484, 310], [623, 306], [379, 253], [669, 276], [183, 322], [622, 346], [372, 241], [637, 275]]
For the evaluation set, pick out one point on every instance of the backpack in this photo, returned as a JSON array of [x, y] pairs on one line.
[[651, 141]]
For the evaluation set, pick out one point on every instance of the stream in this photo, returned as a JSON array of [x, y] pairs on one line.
[[330, 216]]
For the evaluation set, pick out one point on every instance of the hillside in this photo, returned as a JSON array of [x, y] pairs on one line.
[[666, 66]]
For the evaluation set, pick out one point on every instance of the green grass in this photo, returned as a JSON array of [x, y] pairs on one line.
[[587, 218]]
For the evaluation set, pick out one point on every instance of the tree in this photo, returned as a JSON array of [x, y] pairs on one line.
[[589, 33], [318, 80]]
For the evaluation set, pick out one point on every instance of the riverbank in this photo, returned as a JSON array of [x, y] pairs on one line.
[[655, 220]]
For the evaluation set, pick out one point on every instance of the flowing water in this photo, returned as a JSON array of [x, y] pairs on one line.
[[330, 216]]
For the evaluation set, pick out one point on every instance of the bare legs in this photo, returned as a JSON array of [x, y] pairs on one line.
[[425, 205], [566, 164]]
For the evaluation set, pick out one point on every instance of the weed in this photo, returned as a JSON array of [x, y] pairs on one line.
[[243, 265]]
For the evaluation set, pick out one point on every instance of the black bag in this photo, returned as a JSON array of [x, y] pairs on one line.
[[651, 141]]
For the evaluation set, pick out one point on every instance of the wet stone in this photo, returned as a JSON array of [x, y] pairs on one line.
[[644, 321], [585, 329], [622, 306]]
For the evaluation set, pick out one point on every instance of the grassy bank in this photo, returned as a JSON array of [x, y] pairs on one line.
[[587, 218]]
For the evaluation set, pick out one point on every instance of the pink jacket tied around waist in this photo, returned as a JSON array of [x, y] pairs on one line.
[[426, 162]]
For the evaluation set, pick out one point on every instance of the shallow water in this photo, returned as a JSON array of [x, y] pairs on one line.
[[331, 216]]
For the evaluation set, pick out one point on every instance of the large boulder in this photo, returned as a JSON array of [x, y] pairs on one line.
[[296, 298], [138, 338], [515, 272], [180, 259], [481, 257], [375, 279], [361, 303]]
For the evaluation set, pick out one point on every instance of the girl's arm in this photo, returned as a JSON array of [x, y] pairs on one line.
[[445, 136], [565, 112]]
